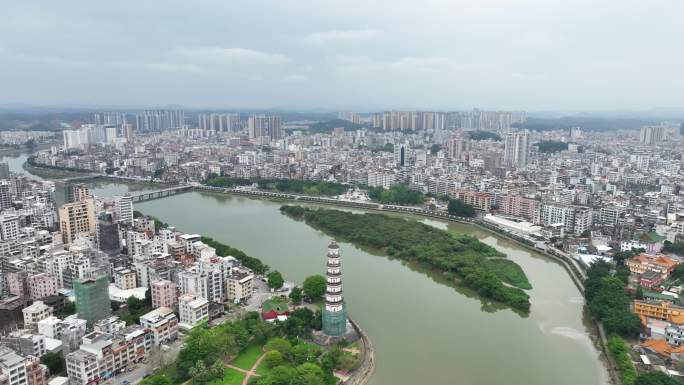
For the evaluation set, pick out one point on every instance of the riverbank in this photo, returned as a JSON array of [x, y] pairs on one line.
[[363, 373]]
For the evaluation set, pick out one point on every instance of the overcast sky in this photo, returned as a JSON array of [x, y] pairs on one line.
[[357, 54]]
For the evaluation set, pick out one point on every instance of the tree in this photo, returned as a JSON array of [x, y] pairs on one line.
[[434, 149], [275, 280], [134, 303], [639, 292], [296, 295], [280, 375], [314, 286], [54, 362], [302, 353], [273, 358], [309, 374], [459, 208], [280, 344], [655, 378], [68, 309]]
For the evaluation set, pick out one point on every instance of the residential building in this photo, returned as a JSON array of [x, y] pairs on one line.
[[124, 209], [240, 285], [77, 218], [163, 323], [41, 285], [264, 125], [124, 278], [12, 367], [36, 312], [516, 148], [164, 294], [193, 310]]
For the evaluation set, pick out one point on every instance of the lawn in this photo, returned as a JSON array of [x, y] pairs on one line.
[[509, 272], [230, 377], [247, 357], [263, 369]]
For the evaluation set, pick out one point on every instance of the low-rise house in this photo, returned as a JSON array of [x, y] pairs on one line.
[[240, 285], [650, 279], [645, 262], [193, 310], [36, 312], [163, 323], [661, 310]]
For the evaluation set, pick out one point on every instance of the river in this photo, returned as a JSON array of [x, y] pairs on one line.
[[15, 161], [424, 332]]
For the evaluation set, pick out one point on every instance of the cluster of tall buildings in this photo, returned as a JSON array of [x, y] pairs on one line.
[[109, 117], [409, 120], [430, 120], [263, 125], [91, 134], [652, 134], [349, 116], [219, 122], [159, 120]]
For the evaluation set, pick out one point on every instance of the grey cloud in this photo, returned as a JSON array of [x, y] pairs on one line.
[[529, 54]]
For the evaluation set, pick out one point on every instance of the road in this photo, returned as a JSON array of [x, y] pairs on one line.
[[133, 377]]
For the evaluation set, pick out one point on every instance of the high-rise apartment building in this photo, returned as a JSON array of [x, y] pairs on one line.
[[76, 218], [5, 195], [264, 125], [109, 117], [124, 209], [229, 122], [108, 234], [9, 227], [92, 298], [517, 148], [350, 116], [457, 147], [652, 134], [160, 120], [401, 154], [4, 170]]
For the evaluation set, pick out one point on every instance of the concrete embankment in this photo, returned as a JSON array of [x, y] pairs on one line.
[[364, 372]]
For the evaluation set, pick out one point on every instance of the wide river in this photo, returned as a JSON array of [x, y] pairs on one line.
[[424, 332]]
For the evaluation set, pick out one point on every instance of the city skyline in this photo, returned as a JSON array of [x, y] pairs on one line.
[[533, 55]]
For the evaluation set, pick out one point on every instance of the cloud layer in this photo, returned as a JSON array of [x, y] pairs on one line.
[[437, 54]]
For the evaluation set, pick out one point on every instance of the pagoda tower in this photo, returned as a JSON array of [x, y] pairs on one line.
[[335, 312]]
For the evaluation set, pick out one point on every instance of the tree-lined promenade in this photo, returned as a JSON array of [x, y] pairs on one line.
[[460, 258]]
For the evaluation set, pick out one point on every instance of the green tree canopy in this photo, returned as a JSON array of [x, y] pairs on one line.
[[296, 295], [54, 362], [314, 286], [275, 280], [655, 378], [459, 208]]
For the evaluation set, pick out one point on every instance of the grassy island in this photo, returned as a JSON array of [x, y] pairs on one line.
[[459, 257]]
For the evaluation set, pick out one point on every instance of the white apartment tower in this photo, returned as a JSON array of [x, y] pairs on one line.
[[517, 147]]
